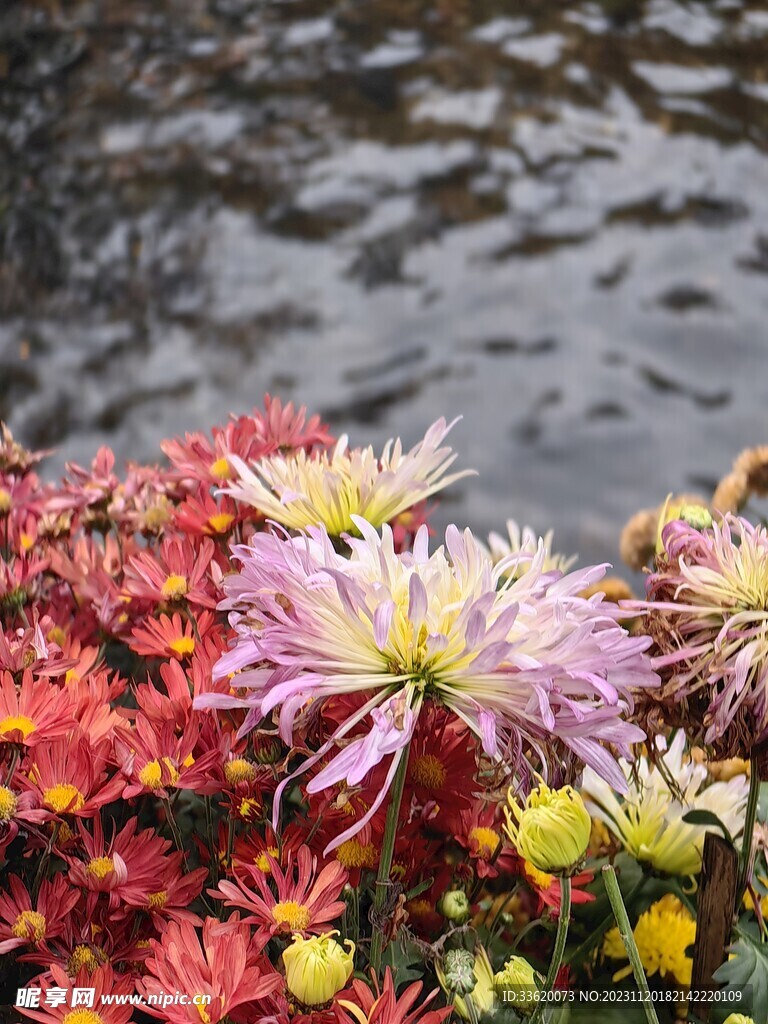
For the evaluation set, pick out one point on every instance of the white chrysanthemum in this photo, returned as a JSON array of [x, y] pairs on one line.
[[649, 820], [525, 543], [328, 489]]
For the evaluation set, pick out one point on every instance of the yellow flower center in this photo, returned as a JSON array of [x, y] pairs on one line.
[[101, 867], [487, 840], [65, 833], [428, 771], [295, 915], [183, 645], [220, 469], [239, 770], [5, 501], [155, 517], [174, 588], [539, 878], [157, 900], [56, 635], [64, 798], [221, 522], [80, 1016], [151, 775], [17, 723], [352, 854], [29, 925], [262, 861], [83, 956], [8, 803], [249, 808]]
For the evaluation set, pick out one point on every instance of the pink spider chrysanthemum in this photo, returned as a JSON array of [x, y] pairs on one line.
[[520, 660], [707, 611]]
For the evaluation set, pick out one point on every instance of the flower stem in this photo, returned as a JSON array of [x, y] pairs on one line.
[[625, 931], [385, 863], [749, 826], [557, 954]]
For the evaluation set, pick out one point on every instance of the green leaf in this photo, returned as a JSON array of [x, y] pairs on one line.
[[417, 890], [406, 960], [748, 965], [708, 818]]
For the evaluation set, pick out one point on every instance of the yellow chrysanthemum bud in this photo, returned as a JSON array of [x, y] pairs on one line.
[[516, 985], [552, 830], [317, 968], [738, 1018]]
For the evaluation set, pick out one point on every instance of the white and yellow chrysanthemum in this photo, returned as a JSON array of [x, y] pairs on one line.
[[524, 544], [329, 488], [648, 821], [524, 662]]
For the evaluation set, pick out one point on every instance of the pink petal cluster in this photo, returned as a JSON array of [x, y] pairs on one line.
[[522, 661], [707, 610]]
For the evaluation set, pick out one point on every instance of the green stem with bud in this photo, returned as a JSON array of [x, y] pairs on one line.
[[557, 954], [385, 862], [625, 931]]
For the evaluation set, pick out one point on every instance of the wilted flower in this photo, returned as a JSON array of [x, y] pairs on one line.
[[649, 820], [317, 968], [516, 659], [552, 830], [706, 611], [329, 490]]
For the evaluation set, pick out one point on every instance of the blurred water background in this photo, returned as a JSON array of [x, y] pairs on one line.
[[550, 218]]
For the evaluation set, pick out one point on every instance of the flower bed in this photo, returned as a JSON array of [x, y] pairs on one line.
[[272, 752]]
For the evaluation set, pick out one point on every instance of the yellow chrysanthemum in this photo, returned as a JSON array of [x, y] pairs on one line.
[[663, 935]]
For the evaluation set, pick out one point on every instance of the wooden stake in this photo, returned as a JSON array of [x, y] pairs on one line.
[[717, 895]]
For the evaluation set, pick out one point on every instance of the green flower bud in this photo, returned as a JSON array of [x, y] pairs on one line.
[[481, 995], [454, 905], [459, 967], [696, 516]]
